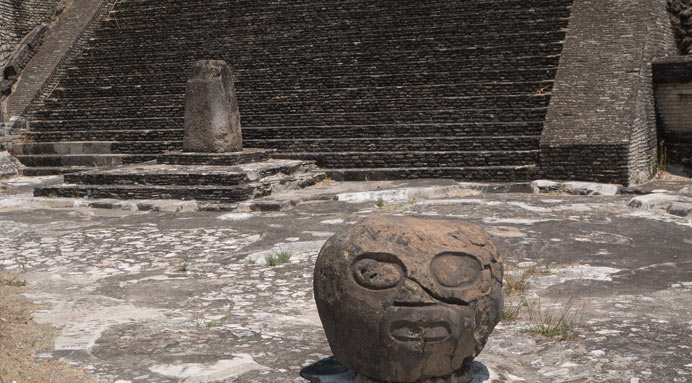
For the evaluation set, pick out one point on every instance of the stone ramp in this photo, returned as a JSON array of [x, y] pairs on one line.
[[223, 178], [65, 38], [447, 83]]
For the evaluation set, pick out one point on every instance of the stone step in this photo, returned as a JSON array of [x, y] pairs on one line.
[[81, 160], [420, 91], [329, 65], [40, 171], [115, 112], [156, 123], [327, 53], [410, 159], [216, 159], [419, 144], [326, 105], [449, 38], [106, 135], [161, 174], [220, 193], [395, 130], [313, 20], [249, 81], [344, 4], [481, 173], [350, 5], [98, 147], [205, 193], [417, 116]]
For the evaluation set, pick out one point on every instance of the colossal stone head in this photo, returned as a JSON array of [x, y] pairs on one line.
[[403, 299]]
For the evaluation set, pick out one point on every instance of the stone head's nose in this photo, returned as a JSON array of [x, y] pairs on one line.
[[413, 294]]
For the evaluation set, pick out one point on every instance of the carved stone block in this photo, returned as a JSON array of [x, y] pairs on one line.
[[212, 118], [405, 299]]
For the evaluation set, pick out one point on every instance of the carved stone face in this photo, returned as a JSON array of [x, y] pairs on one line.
[[403, 299]]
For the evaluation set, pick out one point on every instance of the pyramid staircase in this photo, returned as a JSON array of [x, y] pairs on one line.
[[390, 89]]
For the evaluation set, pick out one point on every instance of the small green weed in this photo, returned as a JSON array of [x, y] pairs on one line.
[[13, 282], [218, 323], [662, 156], [380, 202], [278, 258], [182, 268]]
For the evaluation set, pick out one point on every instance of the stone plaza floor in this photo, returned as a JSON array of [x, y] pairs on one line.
[[187, 296]]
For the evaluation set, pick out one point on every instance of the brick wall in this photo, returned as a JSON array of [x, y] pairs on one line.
[[601, 123], [17, 18], [673, 88]]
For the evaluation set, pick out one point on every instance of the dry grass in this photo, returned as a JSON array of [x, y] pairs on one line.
[[561, 321], [21, 338]]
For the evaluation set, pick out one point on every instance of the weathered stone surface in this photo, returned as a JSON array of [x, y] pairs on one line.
[[580, 188], [670, 203], [24, 51], [9, 166], [403, 299], [591, 188], [681, 20], [212, 117], [545, 186]]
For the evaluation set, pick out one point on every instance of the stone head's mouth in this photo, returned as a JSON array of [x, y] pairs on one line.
[[407, 331]]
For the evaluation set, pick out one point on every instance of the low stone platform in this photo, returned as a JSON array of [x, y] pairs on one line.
[[229, 177], [226, 159]]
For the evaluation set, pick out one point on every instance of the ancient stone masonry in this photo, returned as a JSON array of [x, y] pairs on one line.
[[17, 19], [601, 122], [367, 90], [20, 36], [673, 85], [681, 18], [406, 299]]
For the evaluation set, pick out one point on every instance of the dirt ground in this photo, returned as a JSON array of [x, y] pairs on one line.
[[21, 339]]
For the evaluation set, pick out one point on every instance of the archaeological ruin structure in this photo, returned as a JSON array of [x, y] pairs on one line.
[[478, 90]]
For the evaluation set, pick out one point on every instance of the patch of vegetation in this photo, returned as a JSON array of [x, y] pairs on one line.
[[182, 268], [278, 258], [380, 202], [555, 322], [13, 282], [218, 323], [510, 312], [662, 156]]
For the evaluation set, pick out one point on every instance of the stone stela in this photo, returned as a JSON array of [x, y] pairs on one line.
[[405, 299], [212, 117]]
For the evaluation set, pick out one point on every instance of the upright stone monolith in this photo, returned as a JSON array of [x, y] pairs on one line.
[[212, 117]]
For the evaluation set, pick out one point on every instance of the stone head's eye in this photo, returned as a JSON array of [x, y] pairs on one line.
[[377, 275], [455, 269]]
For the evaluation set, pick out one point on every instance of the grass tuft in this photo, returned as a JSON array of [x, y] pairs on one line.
[[560, 322], [278, 258]]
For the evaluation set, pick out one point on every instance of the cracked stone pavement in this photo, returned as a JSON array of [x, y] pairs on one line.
[[159, 296]]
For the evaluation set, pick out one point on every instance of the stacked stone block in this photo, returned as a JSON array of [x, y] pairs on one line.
[[17, 19], [601, 124], [443, 88], [673, 86]]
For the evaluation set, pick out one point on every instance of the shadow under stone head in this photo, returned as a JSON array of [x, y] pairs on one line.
[[403, 299]]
